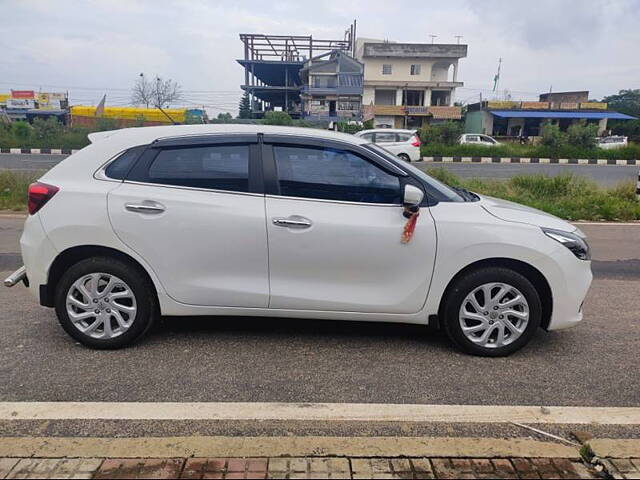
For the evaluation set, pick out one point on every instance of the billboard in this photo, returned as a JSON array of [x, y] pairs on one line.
[[23, 94], [21, 103]]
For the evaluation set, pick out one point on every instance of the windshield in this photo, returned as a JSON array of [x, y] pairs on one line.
[[437, 189]]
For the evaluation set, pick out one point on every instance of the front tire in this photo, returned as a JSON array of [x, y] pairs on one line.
[[492, 312], [105, 303]]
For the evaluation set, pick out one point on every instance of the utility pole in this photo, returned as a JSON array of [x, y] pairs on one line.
[[433, 37], [406, 114], [458, 37]]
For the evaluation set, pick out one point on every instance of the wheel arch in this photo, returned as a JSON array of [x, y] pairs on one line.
[[73, 255], [531, 273]]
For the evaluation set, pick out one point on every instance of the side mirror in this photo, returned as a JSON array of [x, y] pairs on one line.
[[412, 197]]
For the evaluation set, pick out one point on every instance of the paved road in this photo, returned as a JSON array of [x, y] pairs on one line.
[[606, 175], [251, 359]]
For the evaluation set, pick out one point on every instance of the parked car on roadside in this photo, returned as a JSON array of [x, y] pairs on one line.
[[403, 143], [612, 142], [253, 220], [478, 139]]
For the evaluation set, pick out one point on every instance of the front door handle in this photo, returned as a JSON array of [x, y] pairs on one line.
[[144, 207], [294, 221]]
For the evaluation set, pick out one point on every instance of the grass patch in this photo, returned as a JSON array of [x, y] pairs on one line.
[[631, 152], [13, 188], [567, 196]]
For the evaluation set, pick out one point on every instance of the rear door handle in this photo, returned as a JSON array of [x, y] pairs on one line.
[[294, 221], [151, 207]]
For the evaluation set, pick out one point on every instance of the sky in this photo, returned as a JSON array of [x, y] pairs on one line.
[[93, 47]]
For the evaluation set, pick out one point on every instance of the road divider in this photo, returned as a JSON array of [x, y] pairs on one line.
[[345, 412], [38, 151], [533, 160]]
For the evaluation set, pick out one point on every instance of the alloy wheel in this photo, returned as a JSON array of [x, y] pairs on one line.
[[101, 305], [494, 315]]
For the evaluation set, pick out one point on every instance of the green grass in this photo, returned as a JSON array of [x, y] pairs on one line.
[[13, 188], [567, 196], [631, 152]]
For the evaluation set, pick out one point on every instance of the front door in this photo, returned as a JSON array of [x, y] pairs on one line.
[[334, 235], [190, 213]]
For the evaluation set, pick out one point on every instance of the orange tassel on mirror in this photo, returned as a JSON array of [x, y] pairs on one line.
[[410, 226]]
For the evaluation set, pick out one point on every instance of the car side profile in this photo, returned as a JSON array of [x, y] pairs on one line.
[[478, 139], [252, 220], [405, 144]]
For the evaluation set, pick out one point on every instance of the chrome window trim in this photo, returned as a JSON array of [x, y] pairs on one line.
[[198, 189], [342, 202]]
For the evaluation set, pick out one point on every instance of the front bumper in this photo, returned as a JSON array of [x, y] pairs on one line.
[[16, 277]]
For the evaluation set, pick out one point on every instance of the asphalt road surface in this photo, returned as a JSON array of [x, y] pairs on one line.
[[280, 360], [605, 175]]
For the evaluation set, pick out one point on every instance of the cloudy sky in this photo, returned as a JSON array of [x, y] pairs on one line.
[[92, 47]]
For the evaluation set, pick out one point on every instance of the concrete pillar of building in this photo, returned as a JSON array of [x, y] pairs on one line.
[[602, 126], [455, 71], [399, 96], [427, 97]]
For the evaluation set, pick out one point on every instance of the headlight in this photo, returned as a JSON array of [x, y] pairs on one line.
[[573, 242]]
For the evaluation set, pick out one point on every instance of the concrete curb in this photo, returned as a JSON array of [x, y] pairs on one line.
[[615, 448], [38, 151], [532, 160], [312, 446]]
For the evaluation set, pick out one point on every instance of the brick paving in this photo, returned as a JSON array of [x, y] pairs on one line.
[[622, 468], [311, 467]]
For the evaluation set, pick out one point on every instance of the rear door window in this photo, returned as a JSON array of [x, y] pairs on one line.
[[217, 167], [385, 137]]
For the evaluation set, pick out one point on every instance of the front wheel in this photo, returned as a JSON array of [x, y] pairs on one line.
[[405, 157], [492, 312], [105, 303]]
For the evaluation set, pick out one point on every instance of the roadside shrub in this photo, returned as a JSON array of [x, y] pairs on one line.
[[46, 131], [277, 118], [13, 188], [446, 133], [581, 135], [347, 127], [21, 131], [105, 123], [551, 135]]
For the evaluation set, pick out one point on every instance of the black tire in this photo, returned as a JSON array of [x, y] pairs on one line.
[[145, 295], [465, 285], [405, 157]]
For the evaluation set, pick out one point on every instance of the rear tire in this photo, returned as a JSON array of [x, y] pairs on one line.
[[492, 312], [405, 157], [105, 303]]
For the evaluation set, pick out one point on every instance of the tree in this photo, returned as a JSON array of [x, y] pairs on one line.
[[277, 118], [157, 93], [225, 117], [244, 109], [626, 101], [551, 135]]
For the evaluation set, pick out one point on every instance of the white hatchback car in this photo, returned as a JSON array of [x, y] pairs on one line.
[[403, 143], [288, 222]]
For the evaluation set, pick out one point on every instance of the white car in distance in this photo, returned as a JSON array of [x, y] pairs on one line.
[[253, 220], [478, 139], [405, 144]]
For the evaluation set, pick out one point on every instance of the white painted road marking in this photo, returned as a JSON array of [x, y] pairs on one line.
[[346, 412]]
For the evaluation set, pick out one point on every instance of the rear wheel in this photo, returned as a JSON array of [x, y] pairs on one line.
[[405, 157], [492, 312], [105, 303]]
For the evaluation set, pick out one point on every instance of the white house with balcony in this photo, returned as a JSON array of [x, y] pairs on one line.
[[407, 84]]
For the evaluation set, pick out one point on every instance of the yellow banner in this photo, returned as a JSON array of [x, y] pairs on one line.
[[502, 104], [593, 105], [4, 97], [535, 105], [569, 106]]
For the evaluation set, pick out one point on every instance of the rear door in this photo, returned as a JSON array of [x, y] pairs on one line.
[[334, 220], [194, 210]]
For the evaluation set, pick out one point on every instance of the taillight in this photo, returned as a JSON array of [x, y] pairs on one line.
[[416, 141], [39, 195]]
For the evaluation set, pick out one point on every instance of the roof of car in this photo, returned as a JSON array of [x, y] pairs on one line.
[[384, 130], [149, 134]]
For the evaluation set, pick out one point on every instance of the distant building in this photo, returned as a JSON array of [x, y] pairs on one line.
[[332, 87], [272, 65], [515, 119], [29, 105], [407, 84]]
